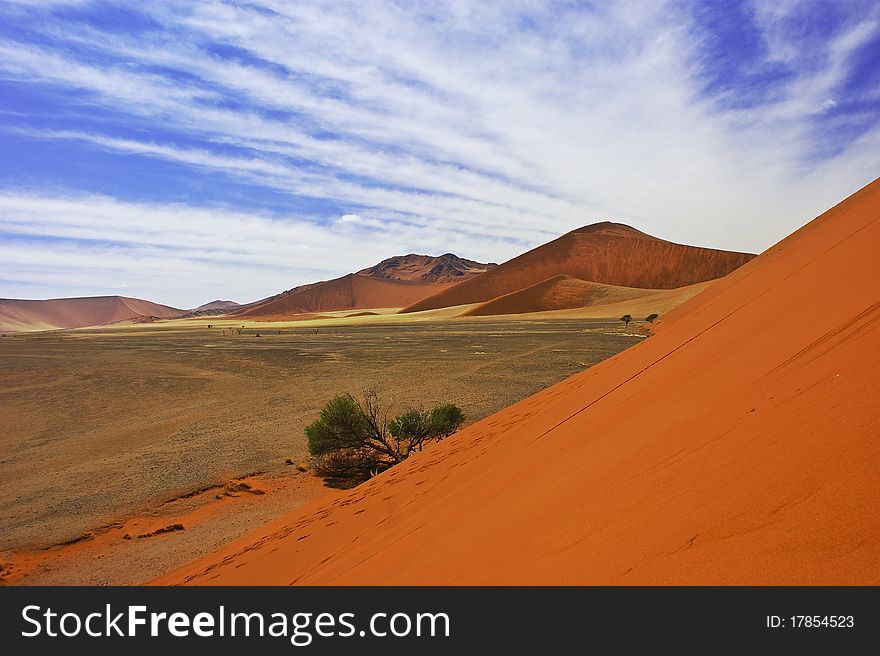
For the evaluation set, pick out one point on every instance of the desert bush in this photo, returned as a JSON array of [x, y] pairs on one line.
[[352, 439], [446, 419], [652, 317], [412, 425], [626, 318]]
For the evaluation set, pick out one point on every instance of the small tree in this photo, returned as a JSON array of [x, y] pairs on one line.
[[446, 419], [626, 318], [412, 428], [651, 317], [352, 439]]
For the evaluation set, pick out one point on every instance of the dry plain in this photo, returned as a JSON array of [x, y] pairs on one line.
[[105, 425]]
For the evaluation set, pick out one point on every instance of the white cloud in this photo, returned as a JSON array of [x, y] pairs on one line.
[[483, 128], [98, 241]]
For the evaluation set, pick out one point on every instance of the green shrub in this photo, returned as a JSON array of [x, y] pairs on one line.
[[352, 440], [446, 419]]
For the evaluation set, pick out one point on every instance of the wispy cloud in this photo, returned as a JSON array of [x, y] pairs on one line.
[[159, 251], [353, 131]]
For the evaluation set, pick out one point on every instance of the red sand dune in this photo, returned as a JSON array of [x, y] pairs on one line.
[[57, 313], [351, 292], [738, 445], [607, 253], [557, 293], [393, 283]]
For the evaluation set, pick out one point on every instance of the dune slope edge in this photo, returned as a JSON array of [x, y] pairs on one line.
[[351, 292], [63, 313]]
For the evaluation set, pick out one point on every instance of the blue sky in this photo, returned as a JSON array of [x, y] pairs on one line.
[[186, 151]]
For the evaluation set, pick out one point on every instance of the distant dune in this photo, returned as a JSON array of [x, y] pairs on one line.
[[658, 301], [216, 305], [557, 293], [213, 309], [393, 283], [738, 445], [351, 292], [446, 268], [606, 253], [21, 315]]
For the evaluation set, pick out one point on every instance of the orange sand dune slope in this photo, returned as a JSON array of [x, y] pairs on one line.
[[607, 253], [736, 446], [557, 293], [351, 292], [77, 312]]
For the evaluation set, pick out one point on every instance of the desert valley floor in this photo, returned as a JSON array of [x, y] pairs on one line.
[[115, 432]]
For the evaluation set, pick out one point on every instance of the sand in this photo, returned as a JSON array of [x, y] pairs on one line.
[[351, 292], [606, 253], [103, 427], [135, 548], [22, 315], [558, 293], [658, 301], [737, 445]]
